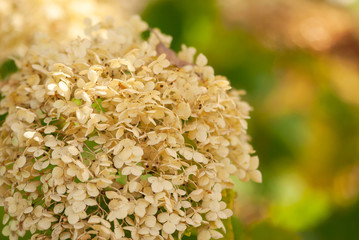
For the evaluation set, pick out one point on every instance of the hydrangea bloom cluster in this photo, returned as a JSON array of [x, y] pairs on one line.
[[116, 137]]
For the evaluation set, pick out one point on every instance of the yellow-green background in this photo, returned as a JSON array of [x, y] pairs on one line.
[[305, 130]]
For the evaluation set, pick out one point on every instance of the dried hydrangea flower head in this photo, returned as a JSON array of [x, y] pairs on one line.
[[116, 137]]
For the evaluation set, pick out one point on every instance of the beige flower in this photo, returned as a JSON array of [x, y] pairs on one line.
[[114, 136], [171, 222], [159, 184], [58, 18]]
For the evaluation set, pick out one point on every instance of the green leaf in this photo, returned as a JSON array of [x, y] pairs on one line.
[[190, 142], [2, 118], [145, 35], [91, 145], [98, 105], [145, 177], [189, 234], [77, 101], [122, 178], [77, 180], [7, 68], [89, 151]]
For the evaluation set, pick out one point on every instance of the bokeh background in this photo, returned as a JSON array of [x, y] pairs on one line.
[[298, 60]]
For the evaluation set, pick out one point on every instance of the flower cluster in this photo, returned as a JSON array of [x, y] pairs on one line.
[[114, 136], [63, 19]]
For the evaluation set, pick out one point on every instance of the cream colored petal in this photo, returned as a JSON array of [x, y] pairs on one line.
[[73, 218], [150, 221], [163, 217], [169, 227]]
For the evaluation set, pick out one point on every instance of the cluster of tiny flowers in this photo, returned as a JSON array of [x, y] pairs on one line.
[[20, 19], [116, 137]]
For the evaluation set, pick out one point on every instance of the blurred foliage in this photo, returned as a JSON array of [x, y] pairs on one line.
[[7, 68], [303, 89]]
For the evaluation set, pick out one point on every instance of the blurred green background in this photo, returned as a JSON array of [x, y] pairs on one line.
[[298, 60]]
